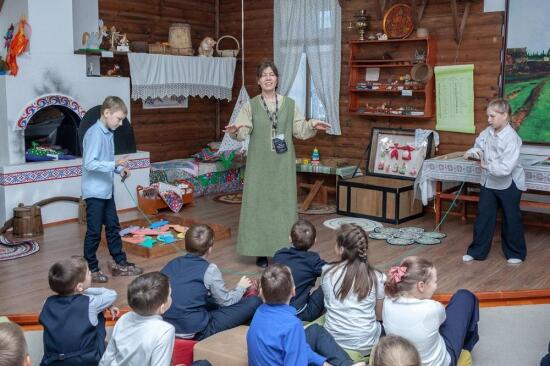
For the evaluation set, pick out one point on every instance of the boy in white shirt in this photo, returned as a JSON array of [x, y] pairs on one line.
[[141, 337]]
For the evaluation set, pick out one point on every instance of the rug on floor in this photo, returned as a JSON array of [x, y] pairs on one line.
[[230, 198], [13, 250], [366, 224], [318, 209]]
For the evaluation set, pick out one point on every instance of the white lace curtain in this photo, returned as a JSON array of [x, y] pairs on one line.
[[313, 27]]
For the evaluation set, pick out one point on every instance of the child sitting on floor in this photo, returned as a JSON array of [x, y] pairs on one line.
[[141, 337], [276, 336], [394, 351], [354, 293], [13, 347], [305, 266], [74, 326], [440, 334], [201, 304]]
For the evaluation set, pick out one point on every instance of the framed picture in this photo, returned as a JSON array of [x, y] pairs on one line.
[[526, 68], [398, 152]]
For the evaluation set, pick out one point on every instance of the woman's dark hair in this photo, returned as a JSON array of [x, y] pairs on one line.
[[264, 65], [358, 275], [415, 270]]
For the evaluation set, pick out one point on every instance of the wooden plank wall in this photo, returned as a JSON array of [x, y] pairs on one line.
[[481, 45], [166, 133]]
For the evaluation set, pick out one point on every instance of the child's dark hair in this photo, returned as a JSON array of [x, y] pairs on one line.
[[198, 239], [64, 275], [114, 104], [395, 351], [404, 277], [13, 348], [148, 292], [276, 284], [358, 275], [303, 234]]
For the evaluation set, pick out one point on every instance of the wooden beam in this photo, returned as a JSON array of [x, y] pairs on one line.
[[454, 12], [421, 11], [1, 3], [459, 28], [463, 21]]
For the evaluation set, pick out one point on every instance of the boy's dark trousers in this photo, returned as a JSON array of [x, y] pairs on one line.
[[101, 212], [513, 240], [315, 306], [227, 317], [324, 344]]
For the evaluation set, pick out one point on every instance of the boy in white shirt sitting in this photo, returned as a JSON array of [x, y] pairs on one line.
[[141, 337]]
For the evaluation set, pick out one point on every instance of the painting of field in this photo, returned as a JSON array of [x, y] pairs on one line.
[[527, 69]]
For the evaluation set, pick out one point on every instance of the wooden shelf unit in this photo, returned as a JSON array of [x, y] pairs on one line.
[[374, 54]]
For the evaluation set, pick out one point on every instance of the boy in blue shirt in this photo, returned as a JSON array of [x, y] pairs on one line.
[[276, 336], [74, 326], [98, 170], [306, 267]]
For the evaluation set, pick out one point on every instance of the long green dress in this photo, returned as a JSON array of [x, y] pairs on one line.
[[269, 207]]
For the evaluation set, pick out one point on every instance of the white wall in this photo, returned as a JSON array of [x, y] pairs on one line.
[[85, 19], [52, 26]]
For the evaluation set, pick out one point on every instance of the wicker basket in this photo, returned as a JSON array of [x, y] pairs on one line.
[[230, 52]]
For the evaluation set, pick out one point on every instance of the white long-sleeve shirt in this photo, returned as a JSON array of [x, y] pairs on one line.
[[140, 341], [501, 154]]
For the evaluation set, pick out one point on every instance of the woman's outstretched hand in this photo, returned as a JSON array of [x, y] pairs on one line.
[[320, 125], [232, 128]]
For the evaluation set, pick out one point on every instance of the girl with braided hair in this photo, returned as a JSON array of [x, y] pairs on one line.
[[354, 293], [441, 335]]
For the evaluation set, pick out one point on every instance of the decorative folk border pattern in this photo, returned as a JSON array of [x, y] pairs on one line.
[[46, 101], [35, 176]]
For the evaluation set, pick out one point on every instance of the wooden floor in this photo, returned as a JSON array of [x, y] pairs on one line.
[[24, 285]]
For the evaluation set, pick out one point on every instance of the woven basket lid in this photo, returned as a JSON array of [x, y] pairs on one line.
[[422, 72]]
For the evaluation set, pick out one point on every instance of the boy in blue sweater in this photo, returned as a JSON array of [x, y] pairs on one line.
[[276, 336], [201, 304], [74, 326], [305, 266]]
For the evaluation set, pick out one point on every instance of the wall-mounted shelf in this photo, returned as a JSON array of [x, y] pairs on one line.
[[394, 59]]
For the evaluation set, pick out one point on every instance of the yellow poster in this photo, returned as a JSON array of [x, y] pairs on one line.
[[454, 86]]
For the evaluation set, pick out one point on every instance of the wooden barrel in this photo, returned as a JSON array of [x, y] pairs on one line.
[[27, 221], [179, 36]]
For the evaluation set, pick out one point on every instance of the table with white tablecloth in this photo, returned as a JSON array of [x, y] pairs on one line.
[[453, 168]]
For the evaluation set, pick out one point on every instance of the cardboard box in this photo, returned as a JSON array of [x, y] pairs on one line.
[[386, 192]]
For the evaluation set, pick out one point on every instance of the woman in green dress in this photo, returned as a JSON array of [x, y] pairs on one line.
[[269, 207]]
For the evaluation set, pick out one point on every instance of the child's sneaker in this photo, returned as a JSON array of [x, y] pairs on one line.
[[99, 277], [126, 269]]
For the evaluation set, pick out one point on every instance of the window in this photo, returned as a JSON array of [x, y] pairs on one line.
[[304, 94]]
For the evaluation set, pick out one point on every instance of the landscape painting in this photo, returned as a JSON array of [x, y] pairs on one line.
[[527, 68]]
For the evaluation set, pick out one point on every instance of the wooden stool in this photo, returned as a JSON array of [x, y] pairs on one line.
[[227, 348]]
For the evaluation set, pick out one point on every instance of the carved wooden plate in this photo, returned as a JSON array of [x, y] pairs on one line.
[[398, 21]]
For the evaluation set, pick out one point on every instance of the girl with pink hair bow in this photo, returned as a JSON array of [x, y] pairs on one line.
[[441, 335]]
